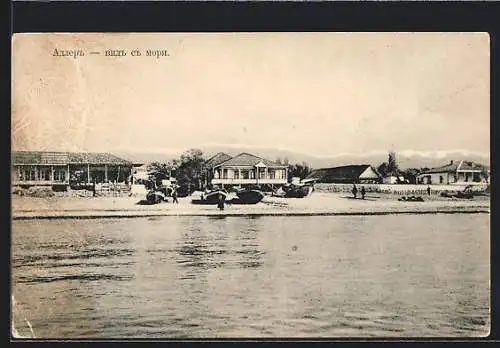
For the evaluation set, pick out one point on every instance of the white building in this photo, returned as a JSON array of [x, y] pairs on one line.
[[455, 173], [248, 169]]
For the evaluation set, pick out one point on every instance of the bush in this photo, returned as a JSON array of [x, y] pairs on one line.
[[18, 191], [40, 192]]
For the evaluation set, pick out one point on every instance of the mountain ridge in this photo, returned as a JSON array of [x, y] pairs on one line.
[[405, 159]]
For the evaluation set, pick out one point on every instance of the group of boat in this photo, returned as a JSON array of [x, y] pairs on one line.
[[467, 193], [248, 195]]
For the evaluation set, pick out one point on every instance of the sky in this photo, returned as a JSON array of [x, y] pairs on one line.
[[317, 93]]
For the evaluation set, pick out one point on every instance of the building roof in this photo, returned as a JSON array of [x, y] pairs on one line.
[[43, 157], [96, 158], [469, 165], [248, 160], [217, 159], [458, 165], [347, 173]]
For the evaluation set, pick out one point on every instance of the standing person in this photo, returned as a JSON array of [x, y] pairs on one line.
[[220, 205], [354, 190], [174, 196], [363, 192], [428, 190]]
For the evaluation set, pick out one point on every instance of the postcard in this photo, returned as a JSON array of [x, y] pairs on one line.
[[250, 185]]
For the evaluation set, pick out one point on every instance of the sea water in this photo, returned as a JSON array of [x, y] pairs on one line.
[[253, 277]]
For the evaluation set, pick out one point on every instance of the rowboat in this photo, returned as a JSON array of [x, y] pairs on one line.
[[154, 197], [298, 191], [247, 196], [211, 197]]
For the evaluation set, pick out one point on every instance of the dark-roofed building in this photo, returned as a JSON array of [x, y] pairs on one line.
[[362, 173], [217, 159], [40, 168], [247, 169], [455, 172], [211, 163]]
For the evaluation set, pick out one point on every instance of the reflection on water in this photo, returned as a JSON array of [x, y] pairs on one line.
[[310, 276]]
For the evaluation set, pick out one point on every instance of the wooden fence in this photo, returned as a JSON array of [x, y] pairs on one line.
[[112, 189], [405, 189]]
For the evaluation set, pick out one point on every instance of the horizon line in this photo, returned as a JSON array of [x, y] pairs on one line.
[[244, 147]]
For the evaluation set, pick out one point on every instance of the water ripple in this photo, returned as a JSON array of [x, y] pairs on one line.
[[302, 276]]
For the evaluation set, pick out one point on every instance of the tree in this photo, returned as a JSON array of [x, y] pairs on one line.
[[383, 169], [392, 165], [411, 174], [190, 169], [298, 170], [389, 168], [160, 171]]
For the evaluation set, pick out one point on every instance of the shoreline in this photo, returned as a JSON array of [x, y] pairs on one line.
[[319, 204], [124, 216]]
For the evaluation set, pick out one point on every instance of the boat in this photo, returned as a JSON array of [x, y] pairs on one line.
[[247, 196], [154, 197], [211, 197], [468, 193], [411, 199], [298, 190]]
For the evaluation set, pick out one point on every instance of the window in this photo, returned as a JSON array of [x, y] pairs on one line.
[[245, 174], [44, 174], [252, 174], [236, 174], [224, 174], [441, 179], [60, 175], [272, 174], [262, 173], [28, 174]]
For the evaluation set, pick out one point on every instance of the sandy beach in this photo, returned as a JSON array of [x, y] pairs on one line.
[[317, 204]]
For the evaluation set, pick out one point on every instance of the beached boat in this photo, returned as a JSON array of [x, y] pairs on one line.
[[211, 197], [297, 191], [467, 193], [411, 199], [247, 196], [154, 197]]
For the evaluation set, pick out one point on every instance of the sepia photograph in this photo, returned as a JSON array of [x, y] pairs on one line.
[[250, 185]]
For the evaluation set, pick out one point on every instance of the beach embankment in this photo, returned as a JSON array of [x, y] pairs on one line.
[[319, 203], [401, 189]]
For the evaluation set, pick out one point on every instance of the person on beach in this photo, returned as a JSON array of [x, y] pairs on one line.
[[428, 190], [354, 190], [220, 205], [204, 193], [363, 192], [174, 196]]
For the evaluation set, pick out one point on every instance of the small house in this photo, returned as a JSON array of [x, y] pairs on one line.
[[455, 172], [362, 173], [247, 169]]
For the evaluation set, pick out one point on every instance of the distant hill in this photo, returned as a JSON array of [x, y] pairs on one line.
[[405, 159], [144, 157]]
